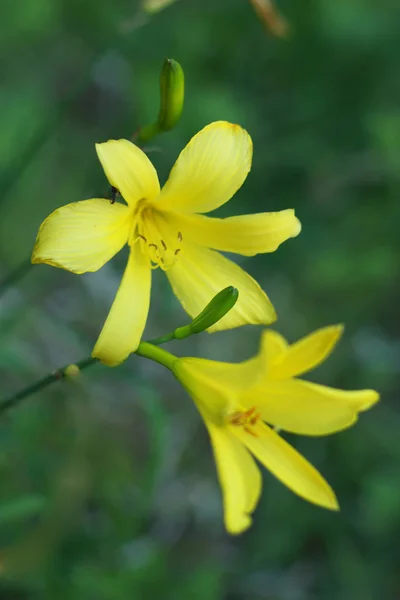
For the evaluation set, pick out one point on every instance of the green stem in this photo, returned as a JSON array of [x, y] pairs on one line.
[[159, 355], [147, 133], [42, 383], [146, 349], [169, 337], [15, 275]]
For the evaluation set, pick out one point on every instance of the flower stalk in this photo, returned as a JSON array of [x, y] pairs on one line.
[[217, 308], [56, 375]]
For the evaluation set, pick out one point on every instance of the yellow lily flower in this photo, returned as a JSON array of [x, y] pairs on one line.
[[237, 401], [163, 229]]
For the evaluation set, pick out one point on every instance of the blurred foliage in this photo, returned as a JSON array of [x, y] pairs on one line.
[[108, 484]]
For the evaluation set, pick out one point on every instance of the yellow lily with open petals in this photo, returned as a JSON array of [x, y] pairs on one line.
[[237, 401], [163, 230]]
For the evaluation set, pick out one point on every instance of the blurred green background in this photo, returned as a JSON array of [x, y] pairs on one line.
[[108, 486]]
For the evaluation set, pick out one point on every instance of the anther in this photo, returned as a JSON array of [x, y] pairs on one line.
[[254, 419], [246, 414], [153, 246], [237, 418], [250, 431], [142, 237], [177, 251], [180, 238], [164, 245]]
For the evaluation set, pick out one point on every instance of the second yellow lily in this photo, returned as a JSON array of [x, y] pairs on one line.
[[163, 229], [240, 402]]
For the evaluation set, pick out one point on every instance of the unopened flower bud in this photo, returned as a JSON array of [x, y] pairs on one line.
[[72, 372], [219, 306], [172, 92]]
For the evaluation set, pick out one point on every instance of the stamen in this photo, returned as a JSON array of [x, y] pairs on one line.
[[162, 246], [237, 418], [256, 418], [246, 419], [250, 431], [249, 412]]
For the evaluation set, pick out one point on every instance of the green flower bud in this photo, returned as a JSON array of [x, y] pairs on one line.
[[72, 372], [172, 92], [212, 313]]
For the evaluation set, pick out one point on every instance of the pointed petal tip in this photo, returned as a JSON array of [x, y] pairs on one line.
[[334, 504], [107, 359], [337, 332], [273, 317], [239, 525], [326, 499], [109, 355], [296, 227], [371, 397]]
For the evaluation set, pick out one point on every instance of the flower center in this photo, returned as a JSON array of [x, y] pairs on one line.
[[157, 238], [246, 419]]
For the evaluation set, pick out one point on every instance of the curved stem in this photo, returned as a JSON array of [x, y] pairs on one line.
[[169, 337], [157, 354], [146, 349], [42, 383]]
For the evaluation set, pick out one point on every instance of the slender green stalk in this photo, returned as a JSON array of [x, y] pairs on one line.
[[169, 337], [42, 383], [213, 312], [146, 349], [157, 354], [15, 275], [147, 133]]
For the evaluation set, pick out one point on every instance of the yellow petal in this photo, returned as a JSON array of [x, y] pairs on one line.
[[199, 274], [126, 320], [129, 170], [288, 465], [82, 236], [273, 344], [209, 171], [358, 400], [214, 385], [306, 354], [234, 377], [299, 407], [239, 477], [247, 235], [212, 398]]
